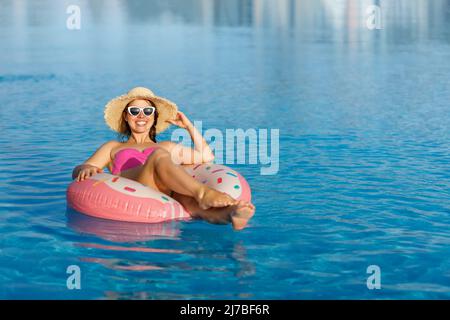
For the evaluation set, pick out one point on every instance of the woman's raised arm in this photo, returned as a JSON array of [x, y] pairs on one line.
[[184, 155]]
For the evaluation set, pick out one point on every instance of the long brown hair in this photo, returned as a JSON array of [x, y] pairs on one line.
[[126, 131]]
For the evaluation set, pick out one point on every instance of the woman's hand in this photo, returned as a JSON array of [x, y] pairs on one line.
[[181, 121], [87, 171]]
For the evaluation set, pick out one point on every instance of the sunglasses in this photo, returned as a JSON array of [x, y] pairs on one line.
[[134, 111]]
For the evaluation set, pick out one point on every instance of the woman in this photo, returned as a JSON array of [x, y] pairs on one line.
[[139, 116]]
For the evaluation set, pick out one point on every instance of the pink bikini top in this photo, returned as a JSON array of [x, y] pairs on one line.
[[129, 158]]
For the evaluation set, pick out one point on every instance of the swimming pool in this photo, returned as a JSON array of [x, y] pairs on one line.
[[364, 147]]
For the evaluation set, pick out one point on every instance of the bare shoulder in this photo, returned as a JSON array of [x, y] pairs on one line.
[[167, 145], [112, 144], [102, 156]]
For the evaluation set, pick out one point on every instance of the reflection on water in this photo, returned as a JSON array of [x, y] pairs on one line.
[[118, 231], [246, 268], [146, 235], [345, 20], [119, 264], [122, 232], [128, 249]]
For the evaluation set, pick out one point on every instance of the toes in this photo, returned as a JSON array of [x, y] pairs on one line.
[[250, 205], [246, 204], [220, 204]]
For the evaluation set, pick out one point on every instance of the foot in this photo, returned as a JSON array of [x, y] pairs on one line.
[[242, 214], [210, 198]]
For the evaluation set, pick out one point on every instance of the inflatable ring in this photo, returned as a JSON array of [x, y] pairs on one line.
[[112, 197]]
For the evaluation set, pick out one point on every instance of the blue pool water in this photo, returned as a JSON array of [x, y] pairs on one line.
[[364, 146]]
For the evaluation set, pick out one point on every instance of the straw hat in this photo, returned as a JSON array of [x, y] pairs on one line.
[[113, 110]]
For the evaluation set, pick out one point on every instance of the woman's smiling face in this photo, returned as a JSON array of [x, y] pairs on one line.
[[140, 123]]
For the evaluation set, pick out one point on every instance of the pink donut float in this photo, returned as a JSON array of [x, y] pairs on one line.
[[116, 198]]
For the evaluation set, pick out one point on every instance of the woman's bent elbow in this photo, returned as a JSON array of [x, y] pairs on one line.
[[208, 158]]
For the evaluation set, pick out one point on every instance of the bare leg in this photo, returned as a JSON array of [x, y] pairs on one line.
[[238, 214], [159, 170]]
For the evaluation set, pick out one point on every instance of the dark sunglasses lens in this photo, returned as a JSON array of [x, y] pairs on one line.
[[134, 111], [148, 111]]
